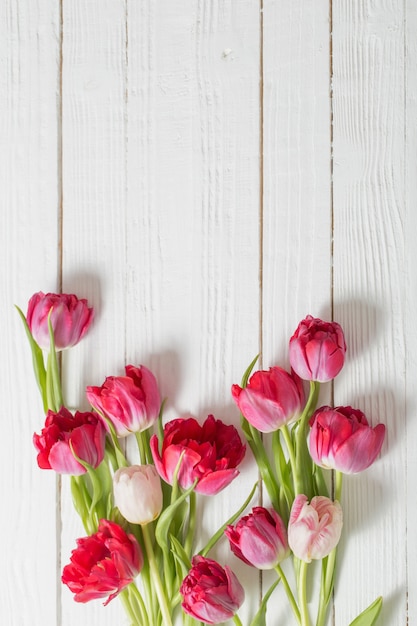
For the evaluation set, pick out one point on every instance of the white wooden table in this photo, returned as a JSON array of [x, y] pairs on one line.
[[206, 173]]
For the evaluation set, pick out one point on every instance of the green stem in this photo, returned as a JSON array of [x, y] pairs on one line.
[[289, 593], [302, 594], [237, 620], [303, 475], [137, 600], [293, 461], [328, 565], [338, 486], [124, 597], [167, 621]]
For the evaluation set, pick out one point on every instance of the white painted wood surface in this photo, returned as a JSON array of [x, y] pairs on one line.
[[207, 173]]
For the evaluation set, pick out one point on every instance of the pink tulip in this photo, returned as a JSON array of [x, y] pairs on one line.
[[209, 453], [138, 493], [130, 402], [103, 564], [259, 539], [342, 439], [317, 350], [314, 529], [63, 433], [70, 318], [271, 399], [212, 594]]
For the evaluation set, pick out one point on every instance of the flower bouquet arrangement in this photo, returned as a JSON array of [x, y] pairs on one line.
[[142, 542]]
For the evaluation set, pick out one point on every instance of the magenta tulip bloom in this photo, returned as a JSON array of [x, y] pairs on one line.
[[271, 399], [342, 439], [212, 593], [63, 432], [314, 529], [317, 350], [210, 454], [70, 318], [103, 564], [259, 539], [130, 402]]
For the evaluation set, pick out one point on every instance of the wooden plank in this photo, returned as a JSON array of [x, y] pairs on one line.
[[94, 200], [369, 291], [29, 178], [296, 262], [410, 330], [193, 213]]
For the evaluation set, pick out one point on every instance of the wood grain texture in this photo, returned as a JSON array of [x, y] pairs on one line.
[[94, 241], [409, 436], [223, 168], [193, 212], [29, 54], [296, 259], [369, 291]]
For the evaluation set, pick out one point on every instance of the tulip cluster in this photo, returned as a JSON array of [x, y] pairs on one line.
[[140, 518]]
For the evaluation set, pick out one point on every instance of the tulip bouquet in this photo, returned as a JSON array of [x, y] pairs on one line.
[[140, 519]]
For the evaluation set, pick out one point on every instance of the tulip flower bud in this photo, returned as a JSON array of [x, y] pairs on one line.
[[314, 529], [271, 399], [212, 594], [65, 435], [209, 454], [70, 318], [259, 539], [130, 402], [138, 493], [341, 439], [317, 349]]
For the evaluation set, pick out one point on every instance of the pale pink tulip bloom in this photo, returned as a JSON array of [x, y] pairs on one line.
[[314, 529], [138, 493]]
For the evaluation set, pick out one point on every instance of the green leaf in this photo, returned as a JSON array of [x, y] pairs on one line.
[[181, 556], [370, 615], [165, 519], [37, 360], [215, 538], [248, 372], [260, 617]]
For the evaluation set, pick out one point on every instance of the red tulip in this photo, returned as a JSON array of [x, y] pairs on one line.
[[259, 539], [212, 594], [130, 402], [342, 439], [83, 432], [103, 564], [314, 529], [211, 453], [70, 318], [317, 350], [271, 399]]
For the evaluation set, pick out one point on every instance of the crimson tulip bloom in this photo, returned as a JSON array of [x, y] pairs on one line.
[[271, 399], [209, 454], [130, 402], [63, 433], [317, 349], [259, 539], [70, 318], [342, 439], [314, 529], [103, 564], [212, 594]]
